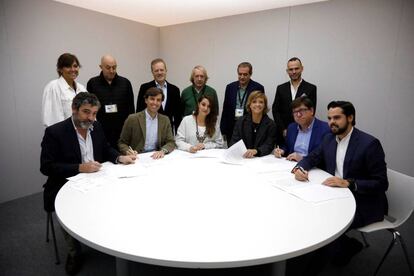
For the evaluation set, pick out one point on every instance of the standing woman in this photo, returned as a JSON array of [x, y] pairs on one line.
[[200, 130], [58, 94], [256, 129]]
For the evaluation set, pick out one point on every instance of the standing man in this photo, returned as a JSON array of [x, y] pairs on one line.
[[190, 95], [235, 98], [148, 130], [357, 161], [75, 145], [116, 96], [171, 106], [288, 91], [305, 134]]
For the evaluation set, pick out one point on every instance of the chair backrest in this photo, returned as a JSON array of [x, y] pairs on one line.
[[400, 196]]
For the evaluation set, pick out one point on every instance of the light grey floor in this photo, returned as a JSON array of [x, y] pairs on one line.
[[23, 250]]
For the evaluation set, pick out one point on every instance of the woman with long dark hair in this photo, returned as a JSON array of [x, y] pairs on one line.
[[200, 130]]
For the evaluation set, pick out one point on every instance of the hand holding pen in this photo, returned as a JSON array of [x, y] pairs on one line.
[[278, 152], [130, 151], [301, 174]]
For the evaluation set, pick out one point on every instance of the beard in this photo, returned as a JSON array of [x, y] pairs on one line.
[[82, 124], [335, 129]]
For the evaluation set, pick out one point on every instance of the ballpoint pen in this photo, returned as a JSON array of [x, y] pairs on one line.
[[303, 171]]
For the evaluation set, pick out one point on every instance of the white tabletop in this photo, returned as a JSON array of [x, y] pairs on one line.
[[201, 213]]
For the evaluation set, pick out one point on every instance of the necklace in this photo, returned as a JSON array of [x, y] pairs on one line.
[[200, 138]]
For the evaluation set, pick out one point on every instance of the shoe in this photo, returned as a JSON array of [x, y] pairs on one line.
[[348, 250], [73, 264]]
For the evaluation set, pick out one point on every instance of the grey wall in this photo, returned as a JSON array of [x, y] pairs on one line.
[[356, 50], [33, 33], [353, 50]]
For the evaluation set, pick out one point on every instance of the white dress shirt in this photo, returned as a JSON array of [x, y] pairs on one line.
[[86, 145], [57, 101], [151, 132], [340, 153], [293, 91]]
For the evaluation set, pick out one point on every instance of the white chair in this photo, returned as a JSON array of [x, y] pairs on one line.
[[400, 197]]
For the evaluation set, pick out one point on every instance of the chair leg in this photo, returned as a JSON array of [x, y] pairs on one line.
[[47, 226], [54, 239], [393, 241], [404, 247], [364, 240]]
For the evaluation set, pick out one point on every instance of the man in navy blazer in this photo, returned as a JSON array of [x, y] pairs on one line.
[[357, 162], [172, 100], [75, 145], [235, 98], [305, 134], [288, 91]]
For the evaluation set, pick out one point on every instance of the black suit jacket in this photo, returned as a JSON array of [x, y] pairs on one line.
[[365, 163], [61, 156], [172, 107], [265, 136], [229, 106], [281, 109]]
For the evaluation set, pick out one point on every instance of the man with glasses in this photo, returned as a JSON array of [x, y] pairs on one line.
[[305, 134], [288, 91], [235, 98]]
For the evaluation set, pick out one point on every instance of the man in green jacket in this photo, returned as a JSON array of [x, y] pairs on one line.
[[190, 95]]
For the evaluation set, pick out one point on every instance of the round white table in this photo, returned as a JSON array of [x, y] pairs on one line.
[[200, 213]]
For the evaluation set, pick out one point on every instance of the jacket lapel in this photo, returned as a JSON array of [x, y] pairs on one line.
[[73, 136], [353, 142]]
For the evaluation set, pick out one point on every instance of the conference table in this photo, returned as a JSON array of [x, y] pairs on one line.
[[197, 211]]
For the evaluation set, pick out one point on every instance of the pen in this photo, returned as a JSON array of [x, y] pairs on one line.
[[303, 171], [133, 151]]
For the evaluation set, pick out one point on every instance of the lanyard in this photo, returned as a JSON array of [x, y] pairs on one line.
[[241, 100]]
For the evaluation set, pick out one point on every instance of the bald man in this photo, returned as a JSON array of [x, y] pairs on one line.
[[116, 97]]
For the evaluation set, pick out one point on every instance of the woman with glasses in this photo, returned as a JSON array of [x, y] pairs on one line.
[[303, 135], [255, 128], [200, 130]]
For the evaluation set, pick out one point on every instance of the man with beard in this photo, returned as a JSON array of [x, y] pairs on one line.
[[75, 145], [357, 162], [288, 91]]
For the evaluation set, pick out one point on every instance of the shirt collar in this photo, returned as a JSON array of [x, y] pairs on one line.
[[161, 86], [346, 138], [63, 84], [308, 128], [291, 84], [148, 116]]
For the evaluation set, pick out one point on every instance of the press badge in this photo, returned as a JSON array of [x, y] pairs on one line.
[[111, 108], [239, 112]]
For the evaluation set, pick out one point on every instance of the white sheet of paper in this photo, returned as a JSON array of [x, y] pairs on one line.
[[319, 193], [209, 153], [269, 164], [234, 154]]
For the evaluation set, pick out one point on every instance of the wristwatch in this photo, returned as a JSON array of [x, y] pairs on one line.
[[352, 185]]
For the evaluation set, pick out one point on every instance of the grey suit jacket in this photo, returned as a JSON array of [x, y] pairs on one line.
[[134, 132]]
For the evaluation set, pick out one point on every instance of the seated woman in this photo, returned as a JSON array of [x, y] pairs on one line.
[[256, 129], [200, 130]]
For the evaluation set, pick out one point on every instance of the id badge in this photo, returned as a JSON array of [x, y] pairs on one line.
[[239, 112], [111, 108]]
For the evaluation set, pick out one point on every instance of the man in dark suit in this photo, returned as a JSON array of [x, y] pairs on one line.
[[171, 105], [75, 145], [235, 98], [305, 134], [288, 91], [357, 162]]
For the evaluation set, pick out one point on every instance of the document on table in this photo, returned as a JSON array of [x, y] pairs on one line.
[[269, 164], [311, 191], [208, 153], [234, 154], [86, 184]]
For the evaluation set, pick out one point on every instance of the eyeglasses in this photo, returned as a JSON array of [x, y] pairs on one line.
[[299, 111]]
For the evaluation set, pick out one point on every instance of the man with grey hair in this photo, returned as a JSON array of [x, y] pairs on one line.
[[116, 96], [75, 145], [191, 94]]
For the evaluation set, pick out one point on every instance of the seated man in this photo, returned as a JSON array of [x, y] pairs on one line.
[[357, 161], [305, 134], [75, 145], [148, 130]]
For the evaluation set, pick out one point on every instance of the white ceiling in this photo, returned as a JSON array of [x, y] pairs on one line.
[[169, 12]]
